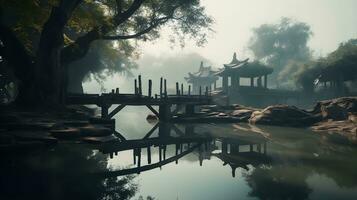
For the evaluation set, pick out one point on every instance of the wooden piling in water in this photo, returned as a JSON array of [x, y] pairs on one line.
[[113, 91], [117, 91], [135, 86], [200, 92], [160, 153], [182, 89], [165, 88], [189, 90], [177, 89], [150, 88], [161, 87], [139, 157], [134, 156], [206, 92], [149, 155], [140, 86]]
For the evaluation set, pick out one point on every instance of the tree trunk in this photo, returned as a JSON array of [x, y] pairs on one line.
[[75, 79], [16, 56], [49, 73], [79, 48]]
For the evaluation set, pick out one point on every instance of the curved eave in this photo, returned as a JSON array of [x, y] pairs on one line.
[[246, 71]]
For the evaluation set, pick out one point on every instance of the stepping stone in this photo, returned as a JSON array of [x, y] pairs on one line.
[[35, 136], [95, 120], [100, 140], [66, 133], [91, 130]]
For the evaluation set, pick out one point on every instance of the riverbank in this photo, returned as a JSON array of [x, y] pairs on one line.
[[23, 129], [28, 129], [335, 116]]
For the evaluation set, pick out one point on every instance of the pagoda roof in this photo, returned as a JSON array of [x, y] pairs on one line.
[[203, 73], [235, 61], [244, 68]]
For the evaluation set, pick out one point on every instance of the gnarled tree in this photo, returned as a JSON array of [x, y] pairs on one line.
[[71, 26]]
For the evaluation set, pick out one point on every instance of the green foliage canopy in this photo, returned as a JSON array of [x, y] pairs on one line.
[[279, 44], [109, 22]]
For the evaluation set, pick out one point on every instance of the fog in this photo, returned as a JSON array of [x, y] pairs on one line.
[[331, 21]]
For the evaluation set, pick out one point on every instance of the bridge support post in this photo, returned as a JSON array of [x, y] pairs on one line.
[[165, 112], [189, 129], [189, 109], [104, 111]]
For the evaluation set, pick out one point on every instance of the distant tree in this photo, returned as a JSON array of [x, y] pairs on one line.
[[342, 61], [278, 45], [41, 38]]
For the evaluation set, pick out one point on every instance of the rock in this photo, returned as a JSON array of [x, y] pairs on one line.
[[243, 114], [222, 114], [352, 118], [336, 109], [95, 120], [151, 117], [92, 130], [8, 118], [66, 133], [283, 115], [99, 140], [28, 126], [34, 136], [205, 110], [343, 127]]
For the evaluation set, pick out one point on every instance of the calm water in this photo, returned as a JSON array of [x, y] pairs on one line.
[[197, 161]]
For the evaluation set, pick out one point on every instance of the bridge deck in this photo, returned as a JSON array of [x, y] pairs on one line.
[[136, 100]]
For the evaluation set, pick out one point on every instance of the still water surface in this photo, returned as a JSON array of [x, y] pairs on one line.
[[190, 161]]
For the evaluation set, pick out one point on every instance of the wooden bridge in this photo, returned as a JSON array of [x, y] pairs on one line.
[[172, 143], [163, 100], [168, 135]]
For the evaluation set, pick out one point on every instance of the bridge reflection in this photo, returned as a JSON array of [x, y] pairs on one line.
[[233, 151]]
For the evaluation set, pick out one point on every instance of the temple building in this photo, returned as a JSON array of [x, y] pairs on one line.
[[233, 72], [205, 77]]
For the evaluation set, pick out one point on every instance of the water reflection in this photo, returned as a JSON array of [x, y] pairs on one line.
[[262, 162], [60, 173]]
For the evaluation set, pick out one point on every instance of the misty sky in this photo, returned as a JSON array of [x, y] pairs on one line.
[[332, 21]]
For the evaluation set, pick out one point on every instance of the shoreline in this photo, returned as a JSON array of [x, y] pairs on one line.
[[30, 129]]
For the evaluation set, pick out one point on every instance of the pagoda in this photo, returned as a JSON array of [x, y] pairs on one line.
[[237, 69], [205, 77]]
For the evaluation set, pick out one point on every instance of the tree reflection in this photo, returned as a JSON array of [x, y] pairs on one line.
[[62, 173], [278, 182]]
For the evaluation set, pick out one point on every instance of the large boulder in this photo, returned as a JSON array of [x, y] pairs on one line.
[[336, 109], [283, 115], [243, 114]]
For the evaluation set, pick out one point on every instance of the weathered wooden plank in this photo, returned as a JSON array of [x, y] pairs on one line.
[[151, 131], [140, 85], [161, 87], [177, 89], [165, 88], [116, 110], [150, 88], [153, 110], [135, 87]]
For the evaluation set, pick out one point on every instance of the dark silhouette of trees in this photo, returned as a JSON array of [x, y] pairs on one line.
[[341, 63], [42, 39]]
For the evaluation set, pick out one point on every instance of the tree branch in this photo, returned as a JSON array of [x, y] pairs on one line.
[[122, 17], [140, 33]]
